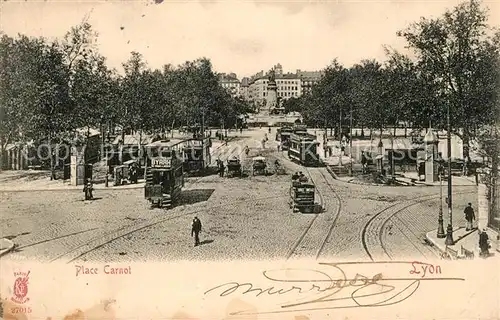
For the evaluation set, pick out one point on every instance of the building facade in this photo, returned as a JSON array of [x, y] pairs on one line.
[[231, 83], [244, 89], [290, 85], [308, 79]]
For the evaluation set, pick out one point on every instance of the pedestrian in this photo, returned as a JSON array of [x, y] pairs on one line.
[[87, 189], [221, 169], [279, 148], [469, 217], [364, 161], [295, 176], [484, 244], [302, 177], [269, 130], [195, 230]]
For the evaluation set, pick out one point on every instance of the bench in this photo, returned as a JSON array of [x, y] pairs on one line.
[[450, 253], [467, 254]]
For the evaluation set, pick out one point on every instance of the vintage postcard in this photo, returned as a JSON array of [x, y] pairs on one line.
[[249, 159]]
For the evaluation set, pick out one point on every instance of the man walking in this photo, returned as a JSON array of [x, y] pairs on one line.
[[195, 230], [469, 216], [484, 244]]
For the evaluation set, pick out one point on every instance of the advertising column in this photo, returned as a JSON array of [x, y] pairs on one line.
[[77, 166]]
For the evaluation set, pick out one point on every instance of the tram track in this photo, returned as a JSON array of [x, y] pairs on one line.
[[372, 232], [134, 227], [320, 224], [101, 240]]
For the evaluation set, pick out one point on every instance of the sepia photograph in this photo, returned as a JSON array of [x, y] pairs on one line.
[[355, 135]]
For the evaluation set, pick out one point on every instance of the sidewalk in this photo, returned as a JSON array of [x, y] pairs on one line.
[[45, 184], [412, 177], [60, 185], [5, 246], [466, 242]]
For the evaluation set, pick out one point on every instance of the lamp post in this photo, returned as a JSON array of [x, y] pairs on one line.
[[381, 154], [449, 229], [393, 170], [203, 136], [440, 231], [340, 138], [350, 143]]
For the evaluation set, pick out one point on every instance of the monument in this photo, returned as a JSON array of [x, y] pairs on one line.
[[77, 175], [431, 150], [271, 112], [271, 96]]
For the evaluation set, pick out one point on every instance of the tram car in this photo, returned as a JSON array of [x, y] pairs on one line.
[[164, 173], [196, 154], [302, 197], [299, 129], [283, 136], [303, 149]]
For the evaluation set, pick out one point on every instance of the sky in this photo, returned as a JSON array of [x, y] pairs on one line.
[[243, 37]]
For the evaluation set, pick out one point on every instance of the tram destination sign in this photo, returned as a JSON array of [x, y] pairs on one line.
[[161, 162]]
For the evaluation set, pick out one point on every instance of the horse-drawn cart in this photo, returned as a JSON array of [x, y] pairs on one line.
[[233, 167], [259, 166]]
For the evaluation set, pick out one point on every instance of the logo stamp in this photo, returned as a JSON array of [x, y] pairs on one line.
[[21, 287]]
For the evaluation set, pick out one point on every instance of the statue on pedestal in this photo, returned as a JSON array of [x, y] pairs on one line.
[[272, 96]]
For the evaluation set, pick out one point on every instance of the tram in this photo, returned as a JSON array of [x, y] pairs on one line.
[[283, 136], [196, 154], [303, 149], [164, 172], [302, 197]]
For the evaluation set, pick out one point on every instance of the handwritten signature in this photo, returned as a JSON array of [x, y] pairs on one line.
[[331, 289]]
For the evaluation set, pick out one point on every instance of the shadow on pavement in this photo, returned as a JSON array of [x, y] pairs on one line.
[[206, 242], [93, 199], [195, 196]]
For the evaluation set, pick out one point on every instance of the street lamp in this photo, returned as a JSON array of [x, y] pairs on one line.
[[449, 229], [381, 154], [393, 170], [440, 231], [350, 142], [340, 139]]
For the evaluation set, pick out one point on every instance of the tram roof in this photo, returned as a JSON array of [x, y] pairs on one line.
[[165, 143], [303, 136]]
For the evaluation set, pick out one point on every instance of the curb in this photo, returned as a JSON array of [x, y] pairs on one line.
[[9, 246], [334, 175], [432, 240], [71, 189], [78, 188]]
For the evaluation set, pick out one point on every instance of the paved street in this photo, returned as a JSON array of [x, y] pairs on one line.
[[242, 218]]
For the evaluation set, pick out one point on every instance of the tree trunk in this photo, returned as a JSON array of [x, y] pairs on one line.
[[86, 145], [52, 173], [466, 144], [140, 145], [493, 186], [2, 153]]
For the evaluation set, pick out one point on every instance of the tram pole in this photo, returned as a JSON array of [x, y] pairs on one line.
[[203, 135], [350, 142], [449, 229], [340, 138]]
